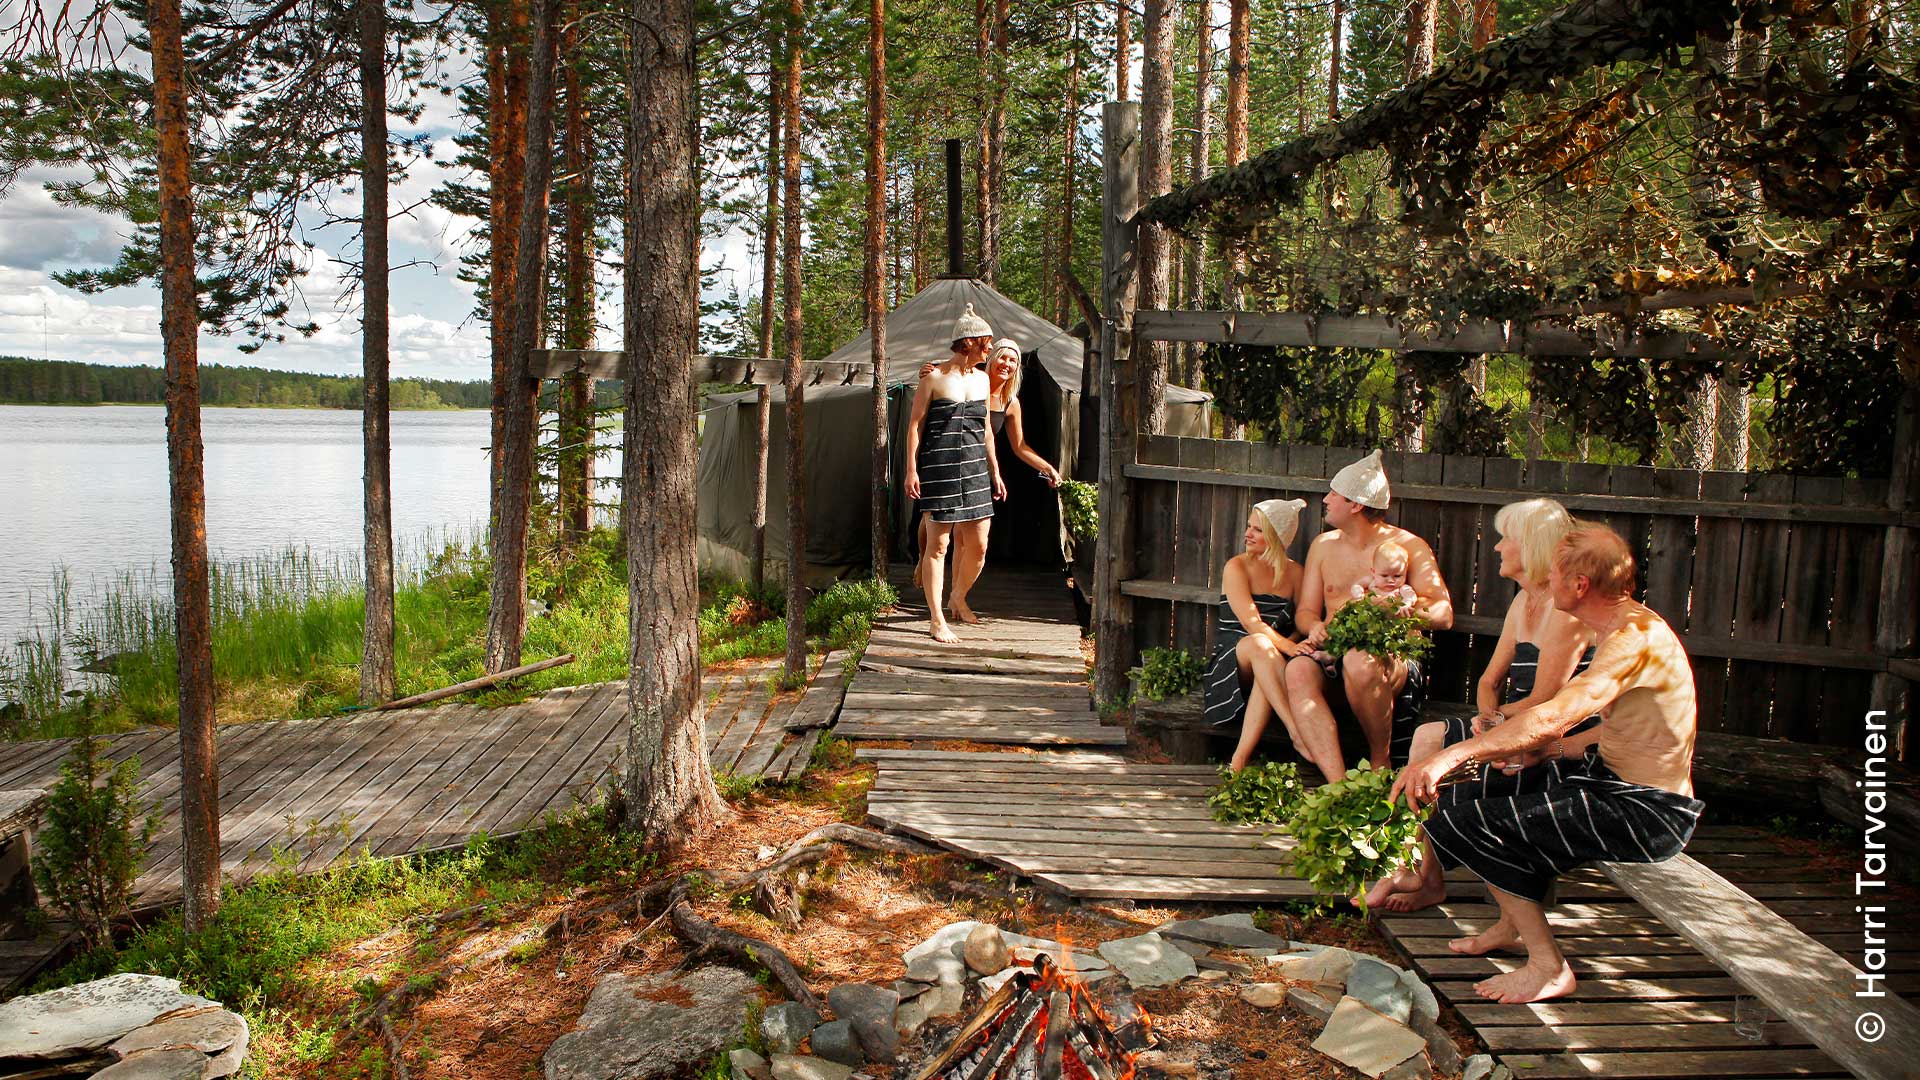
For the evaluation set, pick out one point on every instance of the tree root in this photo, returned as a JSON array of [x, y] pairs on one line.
[[707, 937]]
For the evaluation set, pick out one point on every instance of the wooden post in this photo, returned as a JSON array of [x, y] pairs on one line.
[[1119, 410], [1899, 628]]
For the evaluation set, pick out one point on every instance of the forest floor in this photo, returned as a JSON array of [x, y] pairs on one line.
[[468, 942]]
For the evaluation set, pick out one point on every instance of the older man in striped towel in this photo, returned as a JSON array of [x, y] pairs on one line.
[[1620, 792]]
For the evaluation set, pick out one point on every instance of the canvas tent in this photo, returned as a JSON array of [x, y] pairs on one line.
[[839, 441]]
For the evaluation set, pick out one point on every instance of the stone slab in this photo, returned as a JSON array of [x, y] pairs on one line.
[[644, 1026], [1362, 1039], [88, 1015], [1148, 960]]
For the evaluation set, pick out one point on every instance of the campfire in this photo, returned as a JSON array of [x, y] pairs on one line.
[[1041, 1025]]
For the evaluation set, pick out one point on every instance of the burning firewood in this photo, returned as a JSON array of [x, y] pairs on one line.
[[1040, 1025]]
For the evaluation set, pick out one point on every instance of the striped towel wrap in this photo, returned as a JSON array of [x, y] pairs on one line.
[[1571, 813], [1226, 699], [954, 481]]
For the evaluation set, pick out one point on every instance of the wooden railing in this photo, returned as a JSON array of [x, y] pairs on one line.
[[1775, 583]]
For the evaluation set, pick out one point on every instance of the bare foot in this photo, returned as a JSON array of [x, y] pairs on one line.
[[1421, 896], [944, 634], [1528, 983], [1402, 880], [1500, 935], [962, 612]]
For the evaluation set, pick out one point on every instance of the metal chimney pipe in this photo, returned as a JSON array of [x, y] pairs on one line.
[[956, 253]]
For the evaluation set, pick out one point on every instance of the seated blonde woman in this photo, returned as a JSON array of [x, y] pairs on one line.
[[1541, 649], [1255, 636]]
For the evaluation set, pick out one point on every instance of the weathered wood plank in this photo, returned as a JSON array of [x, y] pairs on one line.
[[1776, 962], [1322, 330], [1743, 1064]]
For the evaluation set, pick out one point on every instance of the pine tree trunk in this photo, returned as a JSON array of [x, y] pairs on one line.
[[1861, 21], [770, 250], [186, 474], [796, 393], [983, 142], [1333, 61], [919, 225], [1420, 30], [877, 269], [1239, 31], [1486, 22], [997, 140], [1156, 178], [506, 171], [671, 798], [1070, 159], [1732, 419], [1122, 46], [507, 614], [376, 639], [1197, 169], [576, 398]]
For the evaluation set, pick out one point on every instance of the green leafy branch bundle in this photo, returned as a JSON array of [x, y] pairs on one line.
[[1347, 834], [1080, 503], [1166, 673], [1377, 627], [1263, 794]]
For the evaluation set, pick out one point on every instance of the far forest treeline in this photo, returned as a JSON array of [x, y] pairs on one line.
[[61, 382]]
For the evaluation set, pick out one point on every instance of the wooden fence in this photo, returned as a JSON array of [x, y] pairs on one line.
[[1774, 582]]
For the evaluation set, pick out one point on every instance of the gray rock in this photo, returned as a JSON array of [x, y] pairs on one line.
[[87, 1015], [1424, 1002], [1326, 965], [1222, 931], [785, 1026], [1148, 961], [943, 1001], [746, 1063], [1440, 1049], [1478, 1067], [208, 1029], [908, 989], [985, 950], [1378, 985], [1264, 995], [909, 1016], [175, 1064], [1414, 1068], [870, 1010], [992, 983], [1360, 1038], [1195, 949], [635, 1027], [937, 959], [1312, 1002], [836, 1042], [795, 1067], [1260, 953]]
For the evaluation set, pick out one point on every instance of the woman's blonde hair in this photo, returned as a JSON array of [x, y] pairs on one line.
[[1019, 368], [1278, 534], [1538, 525]]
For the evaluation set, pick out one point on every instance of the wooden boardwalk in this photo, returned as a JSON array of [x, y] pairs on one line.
[[1017, 678], [1093, 825], [416, 780]]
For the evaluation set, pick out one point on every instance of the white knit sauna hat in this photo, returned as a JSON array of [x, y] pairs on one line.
[[1283, 515], [1364, 481], [969, 325]]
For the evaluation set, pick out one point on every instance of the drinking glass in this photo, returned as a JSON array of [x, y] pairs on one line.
[[1749, 1017]]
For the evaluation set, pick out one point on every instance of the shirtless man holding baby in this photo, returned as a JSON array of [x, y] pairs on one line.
[[1337, 561]]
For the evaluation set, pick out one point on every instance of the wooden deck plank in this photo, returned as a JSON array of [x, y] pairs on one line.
[[505, 779], [1655, 1036], [447, 782], [1743, 1065], [589, 724]]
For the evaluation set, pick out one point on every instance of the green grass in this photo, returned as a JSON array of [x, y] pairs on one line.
[[287, 635], [262, 955]]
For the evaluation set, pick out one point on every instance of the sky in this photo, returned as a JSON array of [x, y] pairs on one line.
[[433, 332]]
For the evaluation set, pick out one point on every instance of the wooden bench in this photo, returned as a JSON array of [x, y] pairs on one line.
[[1179, 725], [19, 813], [1805, 983]]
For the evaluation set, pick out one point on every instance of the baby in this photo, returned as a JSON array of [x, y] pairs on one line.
[[1387, 581], [1389, 577]]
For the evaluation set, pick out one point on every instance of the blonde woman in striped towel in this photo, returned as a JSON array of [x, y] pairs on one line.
[[952, 471]]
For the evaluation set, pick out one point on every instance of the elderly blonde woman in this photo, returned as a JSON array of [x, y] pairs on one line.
[[1541, 649], [1255, 636]]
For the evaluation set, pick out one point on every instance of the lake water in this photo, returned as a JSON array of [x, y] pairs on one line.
[[86, 488]]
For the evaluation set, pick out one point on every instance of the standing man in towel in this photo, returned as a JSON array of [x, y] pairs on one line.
[[1620, 792], [1337, 560]]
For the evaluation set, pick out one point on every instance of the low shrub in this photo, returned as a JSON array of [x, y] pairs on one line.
[[93, 839], [1167, 673]]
